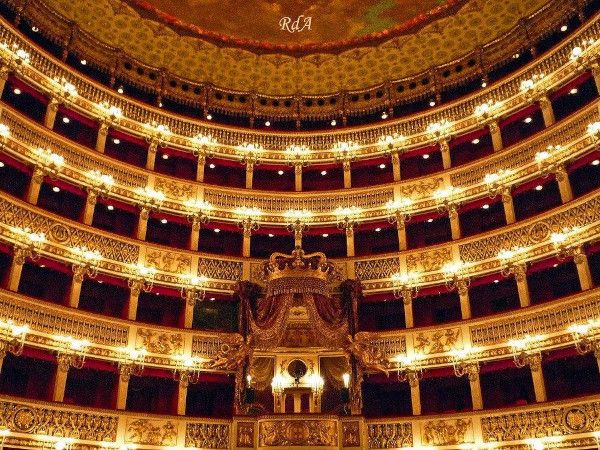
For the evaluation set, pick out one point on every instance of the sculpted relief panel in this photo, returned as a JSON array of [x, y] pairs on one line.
[[305, 433]]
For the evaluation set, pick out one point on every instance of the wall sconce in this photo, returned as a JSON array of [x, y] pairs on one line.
[[100, 184], [581, 56], [87, 263], [566, 244], [157, 135], [109, 114], [131, 362], [440, 131], [345, 152], [316, 383], [12, 338], [63, 89], [194, 289], [447, 200], [347, 218], [142, 278], [512, 262], [203, 145], [28, 244], [150, 200], [547, 160], [4, 133], [187, 369], [198, 212], [14, 57], [48, 162], [586, 337], [297, 222], [389, 143], [531, 88], [399, 211], [455, 274], [526, 352], [488, 111], [593, 130], [72, 352], [250, 153], [465, 362], [278, 384], [406, 286], [248, 219], [298, 155], [497, 183], [408, 369]]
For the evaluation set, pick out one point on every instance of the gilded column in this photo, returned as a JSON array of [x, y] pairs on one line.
[[200, 166], [51, 111], [347, 174], [564, 184], [496, 134], [247, 235], [16, 269], [409, 318], [90, 207], [509, 207], [35, 185], [101, 137], [596, 75], [454, 222], [445, 149], [297, 177], [182, 395], [547, 111], [151, 155], [475, 385], [3, 79], [402, 239], [195, 235], [465, 303], [188, 314], [415, 393], [350, 241], [60, 379], [249, 174], [520, 272], [134, 296], [123, 387], [583, 268], [142, 226], [396, 166], [75, 291], [537, 375]]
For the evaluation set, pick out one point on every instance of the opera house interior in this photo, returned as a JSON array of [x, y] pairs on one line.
[[293, 224]]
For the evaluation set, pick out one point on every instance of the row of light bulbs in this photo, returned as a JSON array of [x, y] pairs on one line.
[[160, 134], [447, 199]]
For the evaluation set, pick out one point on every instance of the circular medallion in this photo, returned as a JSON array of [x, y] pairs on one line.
[[539, 232], [297, 432], [576, 420], [59, 233], [24, 419]]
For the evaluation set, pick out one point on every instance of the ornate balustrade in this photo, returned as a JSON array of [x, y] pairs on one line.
[[518, 161], [566, 424], [121, 255], [435, 346], [557, 65]]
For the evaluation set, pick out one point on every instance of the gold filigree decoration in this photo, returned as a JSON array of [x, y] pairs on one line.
[[446, 432], [305, 433], [159, 342], [151, 432], [438, 341]]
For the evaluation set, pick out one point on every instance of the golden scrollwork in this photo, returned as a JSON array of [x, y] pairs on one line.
[[390, 435], [207, 435], [446, 432], [245, 434], [156, 341], [39, 420], [438, 341], [151, 432], [231, 355], [305, 432]]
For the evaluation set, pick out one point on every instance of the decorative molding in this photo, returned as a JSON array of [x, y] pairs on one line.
[[298, 433], [151, 432]]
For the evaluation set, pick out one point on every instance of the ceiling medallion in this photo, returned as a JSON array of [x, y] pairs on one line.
[[301, 23]]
